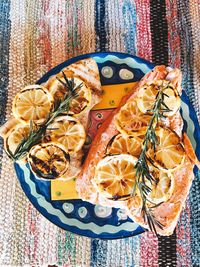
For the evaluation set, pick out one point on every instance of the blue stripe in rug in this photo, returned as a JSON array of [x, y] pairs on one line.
[[101, 39], [132, 251], [99, 247], [5, 27], [186, 48], [130, 20], [98, 253], [187, 69]]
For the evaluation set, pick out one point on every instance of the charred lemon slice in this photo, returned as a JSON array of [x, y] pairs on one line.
[[15, 137], [163, 187], [146, 97], [130, 119], [48, 161], [67, 131], [115, 176], [124, 144], [58, 88], [169, 153], [33, 103]]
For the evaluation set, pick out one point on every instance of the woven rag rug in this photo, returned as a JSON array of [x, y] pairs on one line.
[[36, 35]]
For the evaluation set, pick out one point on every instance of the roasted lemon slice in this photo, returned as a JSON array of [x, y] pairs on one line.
[[115, 176], [68, 131], [34, 102], [124, 144], [146, 97], [48, 161], [169, 153], [130, 119], [78, 104], [15, 137], [163, 187]]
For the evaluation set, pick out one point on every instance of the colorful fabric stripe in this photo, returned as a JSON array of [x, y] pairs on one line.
[[98, 253], [98, 249], [129, 25], [174, 38], [183, 229], [188, 83], [4, 60], [183, 248], [121, 34], [101, 39], [144, 40], [194, 8], [189, 18], [148, 241], [186, 42], [149, 249], [167, 250], [5, 26], [159, 31]]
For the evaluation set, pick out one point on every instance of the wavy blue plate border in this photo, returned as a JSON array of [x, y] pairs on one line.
[[59, 67], [27, 181]]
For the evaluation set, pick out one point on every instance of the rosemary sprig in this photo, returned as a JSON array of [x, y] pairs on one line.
[[142, 168], [34, 137], [37, 132]]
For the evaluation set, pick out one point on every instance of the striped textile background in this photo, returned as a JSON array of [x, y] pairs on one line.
[[37, 35]]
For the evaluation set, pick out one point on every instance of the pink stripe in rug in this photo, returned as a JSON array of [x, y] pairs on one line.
[[148, 240], [143, 38]]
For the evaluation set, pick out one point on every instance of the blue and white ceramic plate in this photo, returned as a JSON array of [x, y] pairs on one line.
[[81, 217]]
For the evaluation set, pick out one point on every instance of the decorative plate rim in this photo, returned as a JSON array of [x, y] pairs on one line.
[[190, 112]]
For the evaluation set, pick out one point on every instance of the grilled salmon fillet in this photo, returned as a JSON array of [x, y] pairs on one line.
[[168, 212]]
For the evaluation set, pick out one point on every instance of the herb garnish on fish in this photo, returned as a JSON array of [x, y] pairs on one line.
[[38, 131], [143, 173]]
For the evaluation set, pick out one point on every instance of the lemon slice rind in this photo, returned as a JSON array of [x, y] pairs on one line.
[[130, 120], [32, 103], [48, 160], [169, 154], [124, 144], [162, 189], [115, 176], [146, 96], [14, 137], [67, 131]]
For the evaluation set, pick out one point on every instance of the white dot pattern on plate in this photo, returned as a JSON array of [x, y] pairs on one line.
[[102, 212], [126, 74], [107, 72], [82, 212], [122, 214], [68, 207]]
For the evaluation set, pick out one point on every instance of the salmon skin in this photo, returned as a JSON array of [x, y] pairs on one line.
[[168, 212]]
